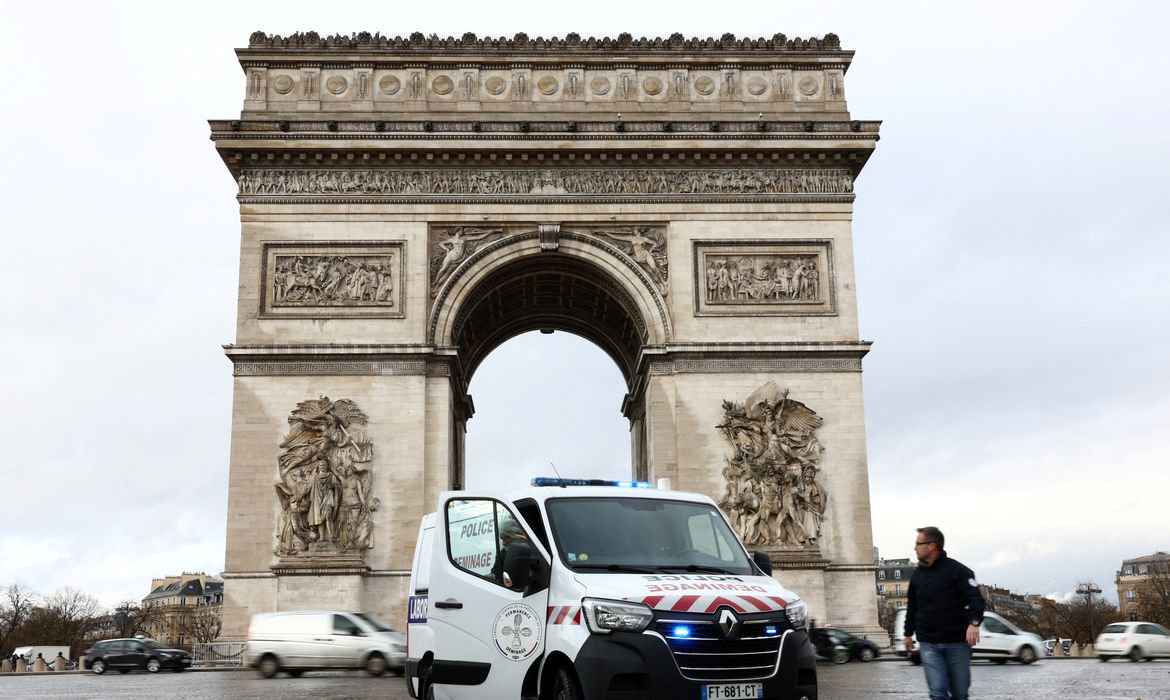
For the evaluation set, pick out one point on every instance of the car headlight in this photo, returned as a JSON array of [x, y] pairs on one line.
[[605, 616], [797, 614]]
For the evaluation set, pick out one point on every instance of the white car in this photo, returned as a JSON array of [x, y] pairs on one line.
[[1136, 640], [999, 641]]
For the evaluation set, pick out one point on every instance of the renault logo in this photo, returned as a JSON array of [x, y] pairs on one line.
[[728, 622]]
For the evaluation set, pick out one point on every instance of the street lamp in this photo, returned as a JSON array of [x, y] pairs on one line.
[[1087, 589]]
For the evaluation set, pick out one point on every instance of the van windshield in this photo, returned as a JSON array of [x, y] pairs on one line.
[[644, 535]]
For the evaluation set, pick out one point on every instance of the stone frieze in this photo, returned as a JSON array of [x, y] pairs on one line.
[[546, 181], [764, 278]]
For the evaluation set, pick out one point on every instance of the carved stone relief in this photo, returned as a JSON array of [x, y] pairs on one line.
[[333, 279], [568, 181], [771, 492], [763, 278], [643, 246], [325, 483]]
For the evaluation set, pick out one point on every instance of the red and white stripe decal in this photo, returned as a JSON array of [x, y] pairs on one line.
[[564, 615], [709, 604]]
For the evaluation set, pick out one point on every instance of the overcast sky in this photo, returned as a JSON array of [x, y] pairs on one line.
[[1012, 270]]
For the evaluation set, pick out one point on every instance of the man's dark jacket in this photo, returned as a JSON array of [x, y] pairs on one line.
[[943, 599]]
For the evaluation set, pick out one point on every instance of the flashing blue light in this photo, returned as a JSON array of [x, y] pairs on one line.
[[770, 630], [556, 481], [681, 631]]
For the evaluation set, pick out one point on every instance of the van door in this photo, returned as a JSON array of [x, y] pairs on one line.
[[488, 628]]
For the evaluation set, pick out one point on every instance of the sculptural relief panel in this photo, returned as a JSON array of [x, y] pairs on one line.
[[643, 247], [772, 493], [325, 484], [333, 279], [764, 278]]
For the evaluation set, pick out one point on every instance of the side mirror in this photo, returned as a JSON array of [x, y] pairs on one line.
[[764, 561]]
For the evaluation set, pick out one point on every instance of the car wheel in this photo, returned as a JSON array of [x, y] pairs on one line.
[[296, 672], [153, 665], [840, 656], [565, 686], [123, 670], [1027, 655], [401, 670], [865, 655], [269, 666], [376, 664], [98, 666], [1135, 654], [1104, 658], [178, 668]]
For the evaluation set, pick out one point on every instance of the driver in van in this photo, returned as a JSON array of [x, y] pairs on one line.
[[513, 543]]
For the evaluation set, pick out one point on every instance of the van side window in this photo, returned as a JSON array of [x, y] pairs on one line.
[[530, 511], [342, 625]]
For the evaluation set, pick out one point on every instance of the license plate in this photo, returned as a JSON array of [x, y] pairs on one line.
[[732, 691]]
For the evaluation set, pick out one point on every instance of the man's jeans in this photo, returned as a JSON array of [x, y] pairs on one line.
[[948, 669]]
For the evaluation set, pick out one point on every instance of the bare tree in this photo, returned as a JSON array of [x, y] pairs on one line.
[[130, 618], [68, 617], [1152, 596], [16, 606], [205, 624]]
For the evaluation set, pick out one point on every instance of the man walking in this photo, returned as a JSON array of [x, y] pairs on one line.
[[945, 610]]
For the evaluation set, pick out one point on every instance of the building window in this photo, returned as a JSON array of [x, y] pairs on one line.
[[881, 576], [898, 589], [1144, 569], [897, 573], [1130, 596], [1127, 571]]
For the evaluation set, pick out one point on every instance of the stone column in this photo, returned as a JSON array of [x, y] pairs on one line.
[[81, 665], [59, 662], [6, 665], [21, 666], [39, 664]]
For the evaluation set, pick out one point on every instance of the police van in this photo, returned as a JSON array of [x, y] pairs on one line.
[[588, 589]]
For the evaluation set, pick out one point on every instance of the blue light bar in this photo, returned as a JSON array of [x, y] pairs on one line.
[[770, 630], [681, 631], [557, 481]]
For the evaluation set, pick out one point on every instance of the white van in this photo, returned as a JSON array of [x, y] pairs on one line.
[[999, 641], [299, 641], [588, 589]]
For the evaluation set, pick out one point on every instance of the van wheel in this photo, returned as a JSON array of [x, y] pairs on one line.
[[565, 686], [426, 689], [269, 666], [98, 667], [1027, 655], [376, 664], [1135, 654]]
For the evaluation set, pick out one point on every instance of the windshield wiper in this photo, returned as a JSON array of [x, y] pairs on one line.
[[617, 567], [695, 567]]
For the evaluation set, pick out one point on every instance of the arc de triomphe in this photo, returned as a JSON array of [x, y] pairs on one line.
[[408, 204]]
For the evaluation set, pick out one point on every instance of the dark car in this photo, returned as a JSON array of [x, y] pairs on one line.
[[125, 655], [840, 646]]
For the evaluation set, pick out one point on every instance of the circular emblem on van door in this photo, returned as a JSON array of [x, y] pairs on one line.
[[517, 632]]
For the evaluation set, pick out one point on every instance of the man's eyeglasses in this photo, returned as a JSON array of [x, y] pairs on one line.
[[919, 544]]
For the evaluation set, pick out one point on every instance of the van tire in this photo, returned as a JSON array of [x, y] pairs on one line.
[[1135, 654], [376, 664], [269, 666], [426, 689], [1027, 655], [565, 686]]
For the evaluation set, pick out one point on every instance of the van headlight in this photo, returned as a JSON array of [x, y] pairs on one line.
[[797, 614], [605, 616]]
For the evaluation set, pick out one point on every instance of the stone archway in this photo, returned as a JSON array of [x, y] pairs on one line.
[[409, 204]]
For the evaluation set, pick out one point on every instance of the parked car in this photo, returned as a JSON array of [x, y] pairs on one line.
[[310, 640], [999, 641], [125, 655], [1135, 640], [840, 646]]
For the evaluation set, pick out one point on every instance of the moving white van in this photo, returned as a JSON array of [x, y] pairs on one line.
[[587, 589], [309, 640]]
